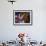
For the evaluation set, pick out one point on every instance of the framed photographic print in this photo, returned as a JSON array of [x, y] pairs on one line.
[[22, 17]]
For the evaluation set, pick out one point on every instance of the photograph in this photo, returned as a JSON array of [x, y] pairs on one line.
[[22, 16]]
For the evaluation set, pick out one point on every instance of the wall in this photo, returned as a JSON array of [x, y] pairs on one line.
[[37, 31]]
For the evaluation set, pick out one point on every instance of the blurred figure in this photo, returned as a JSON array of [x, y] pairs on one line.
[[25, 17]]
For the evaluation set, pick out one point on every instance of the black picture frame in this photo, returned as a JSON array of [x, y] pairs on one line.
[[19, 13]]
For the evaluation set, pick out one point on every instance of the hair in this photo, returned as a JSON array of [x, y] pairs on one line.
[[27, 17]]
